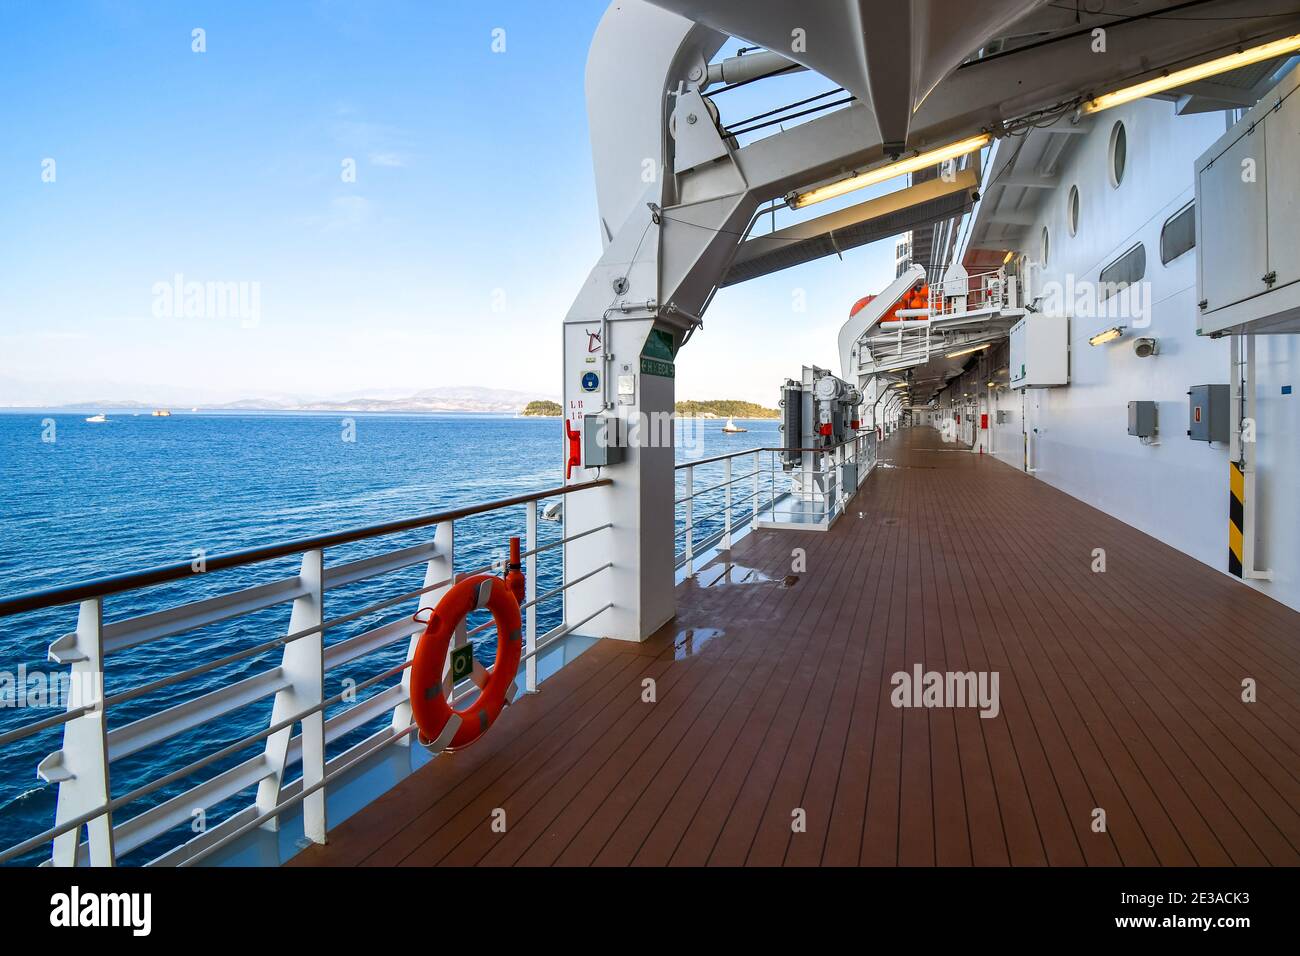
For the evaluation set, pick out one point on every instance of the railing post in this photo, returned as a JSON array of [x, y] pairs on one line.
[[690, 520], [839, 478], [439, 568], [726, 519], [758, 463], [530, 596], [80, 767], [303, 666]]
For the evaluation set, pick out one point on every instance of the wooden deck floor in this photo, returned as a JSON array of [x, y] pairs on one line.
[[1118, 690]]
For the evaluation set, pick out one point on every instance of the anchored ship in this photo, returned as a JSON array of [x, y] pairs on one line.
[[1020, 557]]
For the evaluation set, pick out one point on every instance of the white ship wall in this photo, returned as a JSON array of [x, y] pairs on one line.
[[1176, 490]]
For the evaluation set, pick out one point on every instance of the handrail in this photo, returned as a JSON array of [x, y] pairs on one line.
[[172, 721], [695, 463], [116, 584]]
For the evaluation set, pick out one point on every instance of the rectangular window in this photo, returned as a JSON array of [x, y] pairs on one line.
[[1123, 272], [1179, 234]]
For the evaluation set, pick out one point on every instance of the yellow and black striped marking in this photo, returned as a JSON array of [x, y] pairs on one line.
[[1236, 509]]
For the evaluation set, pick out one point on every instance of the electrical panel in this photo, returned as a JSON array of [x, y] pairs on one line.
[[1002, 416], [602, 441], [1142, 419], [1040, 352], [1208, 413]]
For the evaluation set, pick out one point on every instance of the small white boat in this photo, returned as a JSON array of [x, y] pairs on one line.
[[101, 417], [731, 426]]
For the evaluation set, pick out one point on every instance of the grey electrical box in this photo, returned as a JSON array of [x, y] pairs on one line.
[[603, 440], [1002, 417], [849, 476], [1207, 413], [1142, 419]]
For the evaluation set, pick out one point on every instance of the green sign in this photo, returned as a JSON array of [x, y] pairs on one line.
[[656, 367], [658, 353], [462, 662], [659, 345]]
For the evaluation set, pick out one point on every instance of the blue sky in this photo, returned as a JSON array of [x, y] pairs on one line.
[[451, 260]]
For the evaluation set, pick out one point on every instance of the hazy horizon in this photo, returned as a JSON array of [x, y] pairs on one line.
[[372, 219]]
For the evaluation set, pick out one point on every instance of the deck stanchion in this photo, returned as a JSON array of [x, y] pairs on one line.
[[690, 520], [726, 511], [303, 665], [758, 466], [80, 768], [530, 596]]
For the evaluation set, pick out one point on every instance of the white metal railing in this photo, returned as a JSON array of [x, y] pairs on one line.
[[733, 516], [989, 291], [81, 767]]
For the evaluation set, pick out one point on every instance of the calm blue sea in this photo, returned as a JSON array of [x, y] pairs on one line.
[[139, 491]]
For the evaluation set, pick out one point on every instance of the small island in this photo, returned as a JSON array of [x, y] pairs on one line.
[[724, 408], [542, 409]]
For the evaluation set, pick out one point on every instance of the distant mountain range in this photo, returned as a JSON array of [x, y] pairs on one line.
[[468, 398], [450, 398]]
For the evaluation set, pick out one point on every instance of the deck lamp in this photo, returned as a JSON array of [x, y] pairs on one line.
[[1191, 74], [873, 176], [968, 351], [1108, 335]]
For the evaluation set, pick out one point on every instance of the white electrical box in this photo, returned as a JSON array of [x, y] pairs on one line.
[[1248, 220], [1040, 352]]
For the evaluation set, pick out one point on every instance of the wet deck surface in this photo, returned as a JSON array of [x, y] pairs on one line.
[[1119, 690]]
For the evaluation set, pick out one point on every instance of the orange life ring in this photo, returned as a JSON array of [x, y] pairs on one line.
[[441, 727]]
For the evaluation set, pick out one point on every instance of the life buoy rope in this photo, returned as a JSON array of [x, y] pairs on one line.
[[441, 727]]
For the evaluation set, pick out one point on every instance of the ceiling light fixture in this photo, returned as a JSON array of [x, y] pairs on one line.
[[968, 351], [872, 177], [1191, 74]]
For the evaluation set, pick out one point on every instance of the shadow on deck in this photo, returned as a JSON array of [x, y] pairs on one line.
[[1119, 691]]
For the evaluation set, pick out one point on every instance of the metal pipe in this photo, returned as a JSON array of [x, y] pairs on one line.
[[735, 70]]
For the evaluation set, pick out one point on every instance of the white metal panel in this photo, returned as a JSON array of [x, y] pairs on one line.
[[1040, 351], [1232, 243], [1282, 136]]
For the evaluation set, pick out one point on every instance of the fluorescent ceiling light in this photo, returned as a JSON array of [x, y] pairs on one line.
[[899, 385], [1169, 81], [1109, 335], [874, 176], [973, 348]]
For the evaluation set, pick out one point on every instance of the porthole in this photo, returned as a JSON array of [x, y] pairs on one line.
[[1118, 153], [1072, 210], [1046, 245]]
